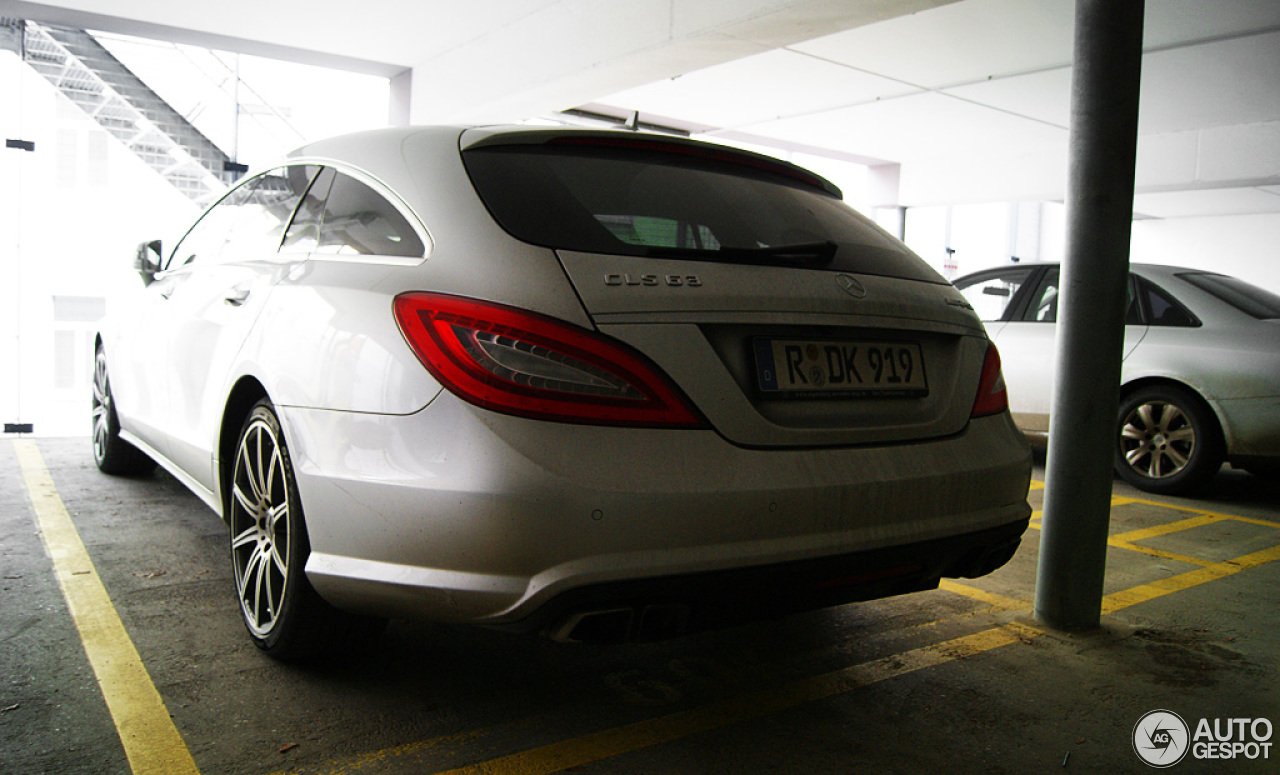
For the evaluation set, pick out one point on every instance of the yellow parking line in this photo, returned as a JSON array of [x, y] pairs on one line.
[[1202, 512], [632, 737], [1171, 527], [1140, 594], [1162, 554], [990, 598], [150, 739]]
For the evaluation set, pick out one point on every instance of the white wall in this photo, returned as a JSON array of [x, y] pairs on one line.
[[71, 214], [1247, 246], [982, 236]]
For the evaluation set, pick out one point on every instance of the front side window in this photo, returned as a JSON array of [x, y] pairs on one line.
[[247, 223], [265, 212], [1043, 305], [204, 242], [991, 294]]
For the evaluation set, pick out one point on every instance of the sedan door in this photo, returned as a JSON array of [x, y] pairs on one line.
[[220, 284], [1028, 348]]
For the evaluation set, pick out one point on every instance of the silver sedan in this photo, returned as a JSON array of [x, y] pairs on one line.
[[595, 385], [1200, 383]]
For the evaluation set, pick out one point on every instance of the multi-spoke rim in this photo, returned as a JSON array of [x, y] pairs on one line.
[[1157, 439], [260, 527], [101, 407]]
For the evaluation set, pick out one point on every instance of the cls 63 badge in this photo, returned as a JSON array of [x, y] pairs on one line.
[[654, 280]]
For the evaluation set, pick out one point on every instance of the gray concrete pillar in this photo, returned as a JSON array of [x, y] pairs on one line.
[[1104, 131]]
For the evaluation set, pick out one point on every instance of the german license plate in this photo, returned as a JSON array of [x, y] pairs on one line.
[[825, 368]]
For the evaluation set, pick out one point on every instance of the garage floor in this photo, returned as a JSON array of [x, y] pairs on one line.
[[956, 680]]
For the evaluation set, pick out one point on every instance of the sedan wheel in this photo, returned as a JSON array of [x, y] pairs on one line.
[[112, 454], [1168, 441], [269, 547]]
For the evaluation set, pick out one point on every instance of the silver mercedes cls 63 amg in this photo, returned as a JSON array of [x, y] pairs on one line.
[[598, 385]]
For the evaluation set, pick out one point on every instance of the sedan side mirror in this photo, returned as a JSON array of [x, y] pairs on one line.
[[147, 260]]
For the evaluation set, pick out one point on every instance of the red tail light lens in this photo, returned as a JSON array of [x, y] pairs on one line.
[[992, 396], [522, 363]]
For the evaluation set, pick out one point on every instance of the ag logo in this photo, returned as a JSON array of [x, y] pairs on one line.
[[1161, 738]]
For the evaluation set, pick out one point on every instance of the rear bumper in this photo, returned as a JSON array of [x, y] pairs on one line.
[[456, 514], [655, 608]]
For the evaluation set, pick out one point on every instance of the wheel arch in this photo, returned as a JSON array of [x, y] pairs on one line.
[[1221, 427], [240, 402]]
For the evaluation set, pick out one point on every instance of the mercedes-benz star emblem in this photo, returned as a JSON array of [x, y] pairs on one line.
[[851, 286]]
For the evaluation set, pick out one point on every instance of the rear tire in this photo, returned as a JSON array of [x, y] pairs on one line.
[[284, 615], [112, 454], [1167, 441]]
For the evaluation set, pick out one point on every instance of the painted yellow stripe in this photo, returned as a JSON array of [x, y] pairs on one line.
[[1162, 554], [1140, 594], [1202, 512], [1171, 527], [615, 742], [150, 739], [990, 598]]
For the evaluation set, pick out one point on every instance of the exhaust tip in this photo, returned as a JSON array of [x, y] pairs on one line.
[[621, 625]]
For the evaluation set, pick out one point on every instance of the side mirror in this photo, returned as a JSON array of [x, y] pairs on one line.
[[147, 260]]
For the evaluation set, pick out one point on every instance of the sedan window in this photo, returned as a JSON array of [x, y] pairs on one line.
[[991, 294], [1249, 299], [1043, 307], [1162, 310]]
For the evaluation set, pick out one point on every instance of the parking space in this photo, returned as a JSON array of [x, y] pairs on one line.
[[910, 684]]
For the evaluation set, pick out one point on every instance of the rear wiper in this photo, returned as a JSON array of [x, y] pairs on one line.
[[810, 255]]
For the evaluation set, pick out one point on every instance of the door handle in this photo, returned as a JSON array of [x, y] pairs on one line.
[[237, 296]]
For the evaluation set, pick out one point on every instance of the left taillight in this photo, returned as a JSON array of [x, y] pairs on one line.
[[518, 362], [992, 396]]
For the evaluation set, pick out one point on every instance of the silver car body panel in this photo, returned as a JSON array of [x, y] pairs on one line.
[[465, 517], [420, 504], [1231, 360]]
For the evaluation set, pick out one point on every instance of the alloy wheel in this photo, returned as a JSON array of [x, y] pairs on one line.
[[101, 411], [260, 527], [1157, 439]]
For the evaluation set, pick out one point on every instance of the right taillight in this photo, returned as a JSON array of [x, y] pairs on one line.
[[992, 396]]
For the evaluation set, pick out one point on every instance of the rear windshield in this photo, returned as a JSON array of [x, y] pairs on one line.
[[1249, 299], [653, 203]]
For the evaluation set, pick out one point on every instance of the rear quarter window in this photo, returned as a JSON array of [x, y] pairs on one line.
[[1248, 298]]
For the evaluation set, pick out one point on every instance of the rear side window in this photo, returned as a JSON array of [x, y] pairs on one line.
[[1162, 310], [342, 216], [1249, 299], [681, 203]]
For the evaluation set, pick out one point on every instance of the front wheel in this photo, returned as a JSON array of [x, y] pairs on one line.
[[285, 617], [112, 454], [1168, 441]]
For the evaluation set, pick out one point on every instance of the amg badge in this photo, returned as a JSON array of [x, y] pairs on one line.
[[654, 280]]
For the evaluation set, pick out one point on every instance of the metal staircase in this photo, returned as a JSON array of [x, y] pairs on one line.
[[91, 77]]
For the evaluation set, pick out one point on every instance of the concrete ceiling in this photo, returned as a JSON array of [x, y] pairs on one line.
[[955, 101]]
